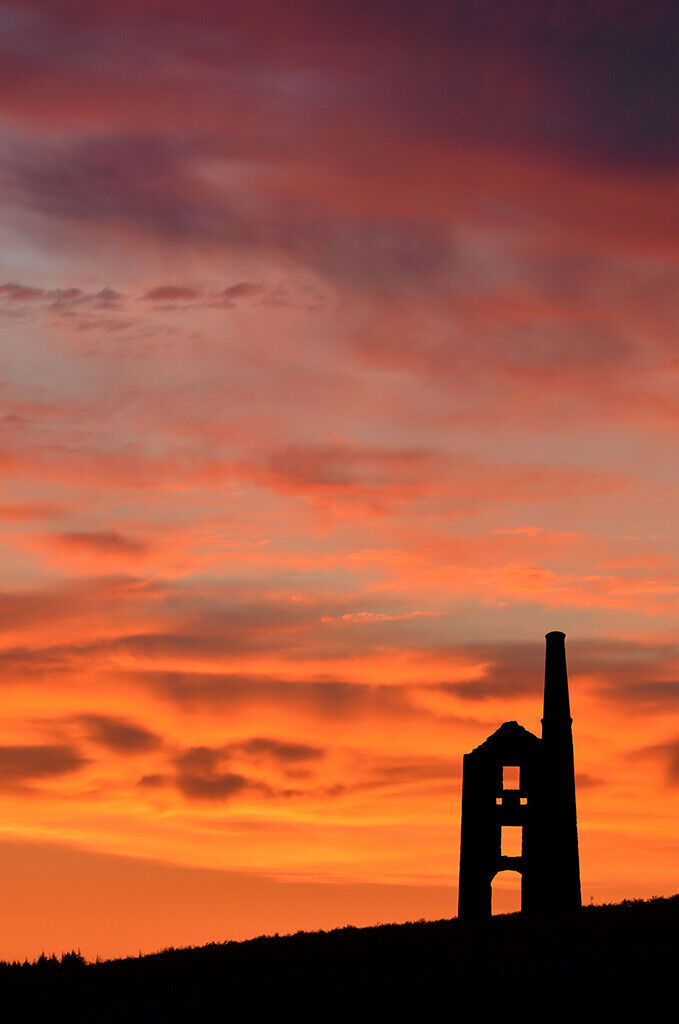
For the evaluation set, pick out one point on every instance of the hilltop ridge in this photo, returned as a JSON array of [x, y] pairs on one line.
[[600, 960]]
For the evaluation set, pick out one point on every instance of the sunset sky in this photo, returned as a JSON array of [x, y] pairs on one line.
[[339, 362]]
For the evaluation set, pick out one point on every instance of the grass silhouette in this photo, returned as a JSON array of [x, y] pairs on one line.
[[599, 963]]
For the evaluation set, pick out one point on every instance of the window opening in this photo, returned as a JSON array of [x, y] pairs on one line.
[[506, 892], [510, 840]]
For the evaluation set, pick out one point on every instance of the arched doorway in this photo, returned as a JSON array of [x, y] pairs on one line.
[[506, 890]]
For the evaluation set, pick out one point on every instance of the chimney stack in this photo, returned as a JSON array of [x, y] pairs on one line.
[[561, 829], [557, 710]]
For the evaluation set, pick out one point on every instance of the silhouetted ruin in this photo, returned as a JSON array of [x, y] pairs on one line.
[[518, 787]]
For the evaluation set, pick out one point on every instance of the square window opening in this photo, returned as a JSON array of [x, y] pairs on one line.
[[523, 800], [498, 801], [511, 837], [510, 776]]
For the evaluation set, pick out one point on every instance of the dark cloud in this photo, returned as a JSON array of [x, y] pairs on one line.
[[641, 677], [241, 290], [503, 683], [635, 676], [171, 293], [20, 292], [104, 542], [199, 775], [233, 619], [585, 781], [376, 773], [326, 698], [277, 749], [248, 622], [22, 662], [591, 79], [26, 608], [513, 670], [68, 599], [157, 193], [46, 662], [59, 301], [521, 345], [380, 478], [24, 763], [625, 673], [151, 184], [60, 297], [211, 786], [106, 297], [154, 781], [665, 753], [643, 695], [97, 162], [620, 672], [203, 772], [340, 467], [120, 735]]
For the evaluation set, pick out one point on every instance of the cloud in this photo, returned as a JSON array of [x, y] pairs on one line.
[[101, 542], [211, 785], [241, 290], [640, 677], [535, 343], [183, 624], [278, 750], [644, 695], [155, 780], [668, 756], [14, 292], [329, 698], [373, 246], [119, 735], [205, 773], [58, 302], [171, 293], [67, 301], [366, 470], [199, 777], [24, 763], [511, 670], [620, 672], [20, 511], [502, 685], [80, 600], [375, 772], [383, 479], [585, 781], [162, 194], [512, 73], [27, 662]]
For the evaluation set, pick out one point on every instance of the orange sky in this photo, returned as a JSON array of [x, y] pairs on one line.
[[338, 364]]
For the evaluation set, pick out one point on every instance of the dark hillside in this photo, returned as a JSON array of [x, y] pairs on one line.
[[600, 963]]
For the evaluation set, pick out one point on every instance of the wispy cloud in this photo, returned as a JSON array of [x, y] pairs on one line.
[[119, 735], [20, 764]]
